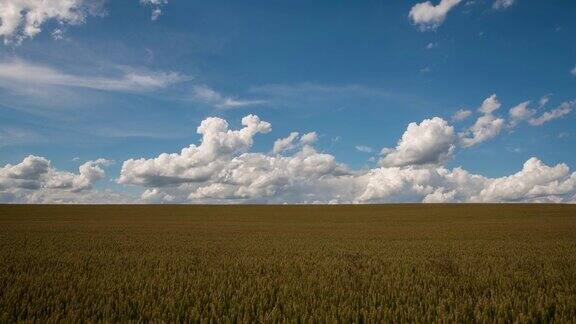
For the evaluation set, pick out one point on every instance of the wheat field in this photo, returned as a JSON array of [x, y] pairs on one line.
[[400, 263]]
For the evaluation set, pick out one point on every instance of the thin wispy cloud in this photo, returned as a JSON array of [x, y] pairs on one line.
[[211, 97], [502, 4], [364, 149], [16, 71], [564, 109]]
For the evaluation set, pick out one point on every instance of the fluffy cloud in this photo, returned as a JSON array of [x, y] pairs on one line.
[[285, 144], [573, 71], [486, 126], [289, 143], [535, 182], [430, 142], [257, 176], [309, 138], [16, 72], [35, 177], [195, 163], [21, 19], [222, 170], [420, 184], [502, 4], [412, 172], [428, 16], [564, 109]]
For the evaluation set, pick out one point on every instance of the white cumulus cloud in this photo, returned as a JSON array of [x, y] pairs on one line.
[[430, 142], [428, 16], [486, 127], [36, 175], [21, 19], [284, 144], [221, 169], [195, 163], [535, 182]]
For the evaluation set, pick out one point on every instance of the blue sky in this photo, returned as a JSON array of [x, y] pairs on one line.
[[104, 80]]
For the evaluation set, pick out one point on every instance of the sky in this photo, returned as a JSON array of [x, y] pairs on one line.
[[166, 101]]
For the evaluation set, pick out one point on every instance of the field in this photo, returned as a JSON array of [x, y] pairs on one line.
[[410, 263]]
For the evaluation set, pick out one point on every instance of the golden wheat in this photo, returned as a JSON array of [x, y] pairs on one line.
[[400, 263]]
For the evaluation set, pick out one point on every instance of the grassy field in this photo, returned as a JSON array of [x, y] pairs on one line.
[[411, 263]]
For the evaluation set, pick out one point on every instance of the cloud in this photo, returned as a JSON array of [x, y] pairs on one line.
[[35, 174], [156, 196], [535, 182], [489, 105], [21, 19], [289, 143], [222, 170], [573, 71], [562, 110], [364, 149], [520, 112], [257, 176], [430, 142], [440, 195], [309, 138], [486, 126], [156, 7], [285, 144], [544, 100], [195, 163], [211, 97], [10, 136], [428, 16], [502, 4], [461, 114], [412, 173], [16, 73]]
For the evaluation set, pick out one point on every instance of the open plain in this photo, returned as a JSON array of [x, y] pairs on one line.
[[408, 263]]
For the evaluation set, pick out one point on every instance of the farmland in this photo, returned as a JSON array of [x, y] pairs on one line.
[[415, 263]]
